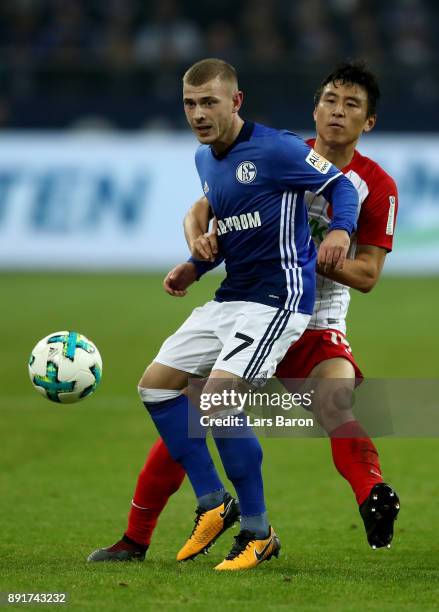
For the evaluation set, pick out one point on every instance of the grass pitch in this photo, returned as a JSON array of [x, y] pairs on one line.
[[68, 472]]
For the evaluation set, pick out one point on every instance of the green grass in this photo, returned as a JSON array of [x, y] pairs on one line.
[[68, 472]]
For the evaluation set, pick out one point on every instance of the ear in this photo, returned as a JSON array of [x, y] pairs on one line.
[[314, 115], [370, 123], [237, 100]]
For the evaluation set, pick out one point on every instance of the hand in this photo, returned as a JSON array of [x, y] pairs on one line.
[[180, 278], [333, 251], [205, 247]]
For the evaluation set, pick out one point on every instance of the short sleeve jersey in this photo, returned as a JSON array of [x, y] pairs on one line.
[[377, 210]]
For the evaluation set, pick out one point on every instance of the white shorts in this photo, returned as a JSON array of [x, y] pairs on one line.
[[244, 338]]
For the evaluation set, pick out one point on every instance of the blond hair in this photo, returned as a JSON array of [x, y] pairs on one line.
[[207, 69]]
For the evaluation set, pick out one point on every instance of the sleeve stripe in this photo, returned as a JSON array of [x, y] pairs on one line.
[[323, 187], [391, 216]]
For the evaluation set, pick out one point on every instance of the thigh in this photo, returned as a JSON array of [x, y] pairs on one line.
[[318, 347], [159, 376], [334, 368], [195, 346], [259, 337]]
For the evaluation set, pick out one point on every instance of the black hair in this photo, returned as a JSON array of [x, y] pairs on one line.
[[353, 73]]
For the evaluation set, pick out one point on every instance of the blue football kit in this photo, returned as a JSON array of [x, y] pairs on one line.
[[256, 192]]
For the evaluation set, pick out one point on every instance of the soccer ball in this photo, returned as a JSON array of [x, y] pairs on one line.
[[65, 367]]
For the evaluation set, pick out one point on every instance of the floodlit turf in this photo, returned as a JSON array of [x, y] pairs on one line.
[[67, 472]]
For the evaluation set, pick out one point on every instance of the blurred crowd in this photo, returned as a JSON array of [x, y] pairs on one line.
[[120, 61]]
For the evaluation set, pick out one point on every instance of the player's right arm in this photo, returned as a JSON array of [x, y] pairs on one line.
[[202, 243], [203, 246], [179, 279]]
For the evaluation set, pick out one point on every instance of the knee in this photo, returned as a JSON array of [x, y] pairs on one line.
[[157, 396], [334, 406], [338, 398]]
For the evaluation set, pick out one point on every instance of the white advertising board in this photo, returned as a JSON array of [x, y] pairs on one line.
[[86, 201]]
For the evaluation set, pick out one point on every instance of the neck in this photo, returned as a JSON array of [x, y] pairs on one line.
[[229, 137], [339, 155]]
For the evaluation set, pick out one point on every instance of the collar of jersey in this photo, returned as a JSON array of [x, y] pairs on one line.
[[243, 136]]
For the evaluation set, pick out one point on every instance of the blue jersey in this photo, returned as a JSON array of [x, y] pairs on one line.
[[256, 191]]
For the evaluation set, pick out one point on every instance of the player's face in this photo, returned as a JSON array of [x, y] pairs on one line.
[[341, 114], [210, 109]]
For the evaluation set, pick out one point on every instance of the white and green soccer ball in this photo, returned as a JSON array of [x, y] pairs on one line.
[[65, 367]]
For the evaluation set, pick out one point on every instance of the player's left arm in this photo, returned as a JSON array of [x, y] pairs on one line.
[[362, 272], [300, 167], [376, 225], [334, 248]]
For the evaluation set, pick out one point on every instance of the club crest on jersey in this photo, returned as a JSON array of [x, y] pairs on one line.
[[206, 187], [246, 172], [318, 162]]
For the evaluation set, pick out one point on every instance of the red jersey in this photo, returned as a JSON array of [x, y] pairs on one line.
[[377, 209]]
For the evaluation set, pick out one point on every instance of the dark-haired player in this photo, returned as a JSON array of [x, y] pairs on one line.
[[345, 107]]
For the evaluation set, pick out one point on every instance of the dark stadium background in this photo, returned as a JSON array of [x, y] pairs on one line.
[[121, 60], [110, 72]]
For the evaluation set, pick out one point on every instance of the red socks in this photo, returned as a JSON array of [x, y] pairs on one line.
[[353, 452], [160, 477], [356, 458]]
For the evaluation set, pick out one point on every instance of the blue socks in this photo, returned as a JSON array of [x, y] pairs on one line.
[[242, 461], [171, 420], [211, 500], [258, 524], [241, 457]]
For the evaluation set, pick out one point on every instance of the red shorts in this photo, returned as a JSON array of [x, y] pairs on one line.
[[313, 347]]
